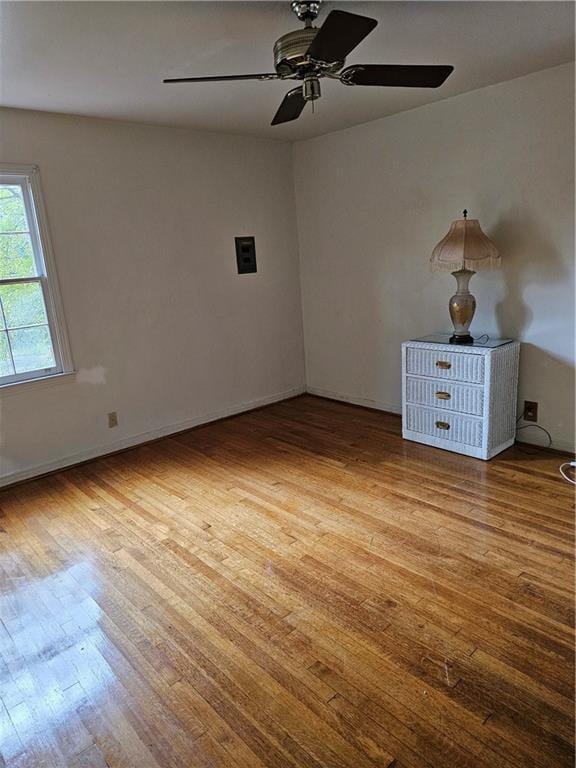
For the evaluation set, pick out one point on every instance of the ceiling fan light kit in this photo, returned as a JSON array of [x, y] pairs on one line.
[[306, 10], [311, 53]]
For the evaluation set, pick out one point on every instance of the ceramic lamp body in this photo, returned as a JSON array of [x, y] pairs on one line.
[[462, 307]]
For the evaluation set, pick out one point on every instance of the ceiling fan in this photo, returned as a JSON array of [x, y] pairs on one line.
[[312, 53]]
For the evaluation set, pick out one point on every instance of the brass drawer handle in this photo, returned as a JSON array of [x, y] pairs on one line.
[[443, 364], [442, 425], [443, 395]]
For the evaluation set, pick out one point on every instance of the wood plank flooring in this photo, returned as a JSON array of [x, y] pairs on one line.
[[296, 586]]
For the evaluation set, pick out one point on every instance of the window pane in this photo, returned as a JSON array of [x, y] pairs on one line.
[[6, 368], [12, 211], [23, 304], [16, 256], [32, 349]]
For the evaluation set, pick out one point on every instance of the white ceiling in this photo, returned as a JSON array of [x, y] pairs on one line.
[[107, 59]]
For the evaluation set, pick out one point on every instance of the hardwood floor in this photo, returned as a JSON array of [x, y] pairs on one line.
[[297, 586]]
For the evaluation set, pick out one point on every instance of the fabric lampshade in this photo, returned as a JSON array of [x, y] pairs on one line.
[[465, 247]]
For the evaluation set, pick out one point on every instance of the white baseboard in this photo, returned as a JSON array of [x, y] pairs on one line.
[[379, 405], [558, 445], [144, 437]]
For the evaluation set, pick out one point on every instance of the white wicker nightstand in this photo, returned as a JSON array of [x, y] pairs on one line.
[[460, 398]]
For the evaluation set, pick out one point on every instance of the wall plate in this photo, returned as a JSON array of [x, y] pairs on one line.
[[245, 255]]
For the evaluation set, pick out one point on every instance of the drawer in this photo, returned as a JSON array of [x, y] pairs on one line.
[[455, 427], [441, 364], [446, 395]]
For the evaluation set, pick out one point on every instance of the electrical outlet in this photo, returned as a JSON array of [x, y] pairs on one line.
[[530, 411], [112, 419], [245, 255]]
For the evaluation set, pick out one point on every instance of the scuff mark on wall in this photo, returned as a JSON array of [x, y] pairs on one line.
[[95, 375]]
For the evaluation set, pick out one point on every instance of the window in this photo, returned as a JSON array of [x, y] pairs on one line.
[[32, 338]]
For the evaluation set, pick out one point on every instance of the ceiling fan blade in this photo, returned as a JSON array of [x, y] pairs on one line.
[[291, 107], [340, 34], [396, 75], [216, 78]]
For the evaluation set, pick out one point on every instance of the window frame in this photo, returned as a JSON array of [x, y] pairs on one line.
[[27, 177]]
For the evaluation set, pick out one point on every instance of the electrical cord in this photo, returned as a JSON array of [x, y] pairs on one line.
[[529, 426], [484, 336], [537, 426], [563, 472], [562, 467]]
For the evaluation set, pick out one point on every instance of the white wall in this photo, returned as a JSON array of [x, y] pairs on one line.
[[162, 328], [165, 332], [372, 201]]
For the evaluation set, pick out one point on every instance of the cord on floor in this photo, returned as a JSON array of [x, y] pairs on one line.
[[563, 471], [549, 436]]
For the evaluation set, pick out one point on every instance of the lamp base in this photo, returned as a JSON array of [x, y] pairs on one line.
[[463, 339], [462, 306]]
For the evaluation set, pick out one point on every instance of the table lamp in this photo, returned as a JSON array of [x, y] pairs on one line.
[[464, 251]]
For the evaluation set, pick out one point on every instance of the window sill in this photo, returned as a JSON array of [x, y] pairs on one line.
[[19, 387]]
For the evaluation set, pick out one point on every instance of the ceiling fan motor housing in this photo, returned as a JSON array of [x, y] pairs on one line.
[[290, 57]]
